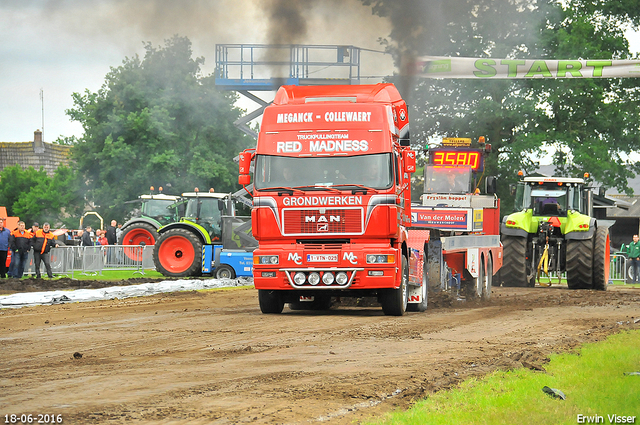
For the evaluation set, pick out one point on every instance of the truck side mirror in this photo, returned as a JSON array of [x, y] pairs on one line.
[[244, 166], [491, 185], [409, 159], [512, 189], [244, 162], [244, 179]]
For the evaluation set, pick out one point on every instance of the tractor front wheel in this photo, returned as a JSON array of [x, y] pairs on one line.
[[178, 253]]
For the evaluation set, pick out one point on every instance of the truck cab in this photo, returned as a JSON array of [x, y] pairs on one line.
[[331, 196]]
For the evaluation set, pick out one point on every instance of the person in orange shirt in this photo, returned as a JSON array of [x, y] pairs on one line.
[[42, 242], [20, 245]]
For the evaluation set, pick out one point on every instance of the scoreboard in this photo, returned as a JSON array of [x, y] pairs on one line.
[[456, 157]]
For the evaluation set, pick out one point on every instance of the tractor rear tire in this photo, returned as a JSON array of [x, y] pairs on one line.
[[580, 263], [178, 253], [514, 262], [137, 233], [394, 301], [601, 259]]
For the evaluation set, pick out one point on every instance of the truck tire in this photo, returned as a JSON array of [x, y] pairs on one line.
[[580, 263], [225, 271], [178, 253], [394, 301], [424, 289], [488, 281], [136, 233], [270, 301], [601, 259], [514, 263]]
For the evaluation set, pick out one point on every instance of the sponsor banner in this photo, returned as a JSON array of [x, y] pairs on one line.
[[489, 68], [445, 219], [444, 200]]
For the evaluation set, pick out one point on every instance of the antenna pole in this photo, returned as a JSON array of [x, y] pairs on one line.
[[42, 101]]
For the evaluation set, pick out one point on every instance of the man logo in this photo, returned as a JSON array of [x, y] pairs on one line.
[[295, 258], [349, 256]]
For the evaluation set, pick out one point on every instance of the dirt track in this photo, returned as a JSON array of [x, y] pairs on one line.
[[212, 357]]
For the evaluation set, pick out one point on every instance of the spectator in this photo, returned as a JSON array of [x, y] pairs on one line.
[[85, 240], [112, 238], [20, 244], [101, 239], [4, 248], [633, 251], [42, 241], [118, 232]]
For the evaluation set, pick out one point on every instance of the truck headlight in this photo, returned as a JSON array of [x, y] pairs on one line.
[[380, 259], [266, 259], [314, 278], [299, 278], [342, 278], [328, 278]]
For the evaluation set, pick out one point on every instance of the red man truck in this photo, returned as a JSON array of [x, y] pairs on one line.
[[332, 204]]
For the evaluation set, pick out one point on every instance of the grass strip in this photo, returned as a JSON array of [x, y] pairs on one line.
[[593, 380]]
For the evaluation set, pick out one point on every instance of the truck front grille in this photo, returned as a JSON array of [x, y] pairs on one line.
[[341, 221]]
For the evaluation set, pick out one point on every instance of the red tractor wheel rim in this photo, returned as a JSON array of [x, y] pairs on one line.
[[176, 254], [135, 236]]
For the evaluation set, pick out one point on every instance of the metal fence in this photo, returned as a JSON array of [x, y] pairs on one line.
[[92, 260], [618, 268]]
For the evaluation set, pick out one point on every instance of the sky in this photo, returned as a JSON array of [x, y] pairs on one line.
[[67, 46]]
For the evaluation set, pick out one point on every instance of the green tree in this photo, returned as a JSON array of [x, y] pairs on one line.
[[15, 183], [593, 121], [156, 122], [34, 196]]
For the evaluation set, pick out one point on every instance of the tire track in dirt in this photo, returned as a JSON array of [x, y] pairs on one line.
[[212, 357]]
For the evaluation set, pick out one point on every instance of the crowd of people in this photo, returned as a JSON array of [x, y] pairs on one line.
[[21, 241]]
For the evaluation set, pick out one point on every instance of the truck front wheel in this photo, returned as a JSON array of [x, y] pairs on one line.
[[394, 301], [178, 253], [270, 301]]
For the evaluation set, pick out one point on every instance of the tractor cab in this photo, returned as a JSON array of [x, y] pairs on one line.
[[160, 207], [551, 196], [207, 209]]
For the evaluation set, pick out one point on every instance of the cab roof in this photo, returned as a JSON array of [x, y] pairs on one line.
[[366, 93], [553, 180], [160, 196], [204, 195]]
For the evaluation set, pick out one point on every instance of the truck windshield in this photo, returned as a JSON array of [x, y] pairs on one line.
[[373, 171], [440, 179]]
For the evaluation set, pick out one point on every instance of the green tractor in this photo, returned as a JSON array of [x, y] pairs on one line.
[[209, 239], [157, 210], [553, 231]]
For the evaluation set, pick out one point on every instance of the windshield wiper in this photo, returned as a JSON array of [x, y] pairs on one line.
[[316, 187], [281, 189], [358, 188]]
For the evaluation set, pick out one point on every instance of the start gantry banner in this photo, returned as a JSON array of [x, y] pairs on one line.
[[489, 68]]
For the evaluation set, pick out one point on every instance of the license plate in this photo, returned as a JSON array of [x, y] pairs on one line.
[[314, 258]]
